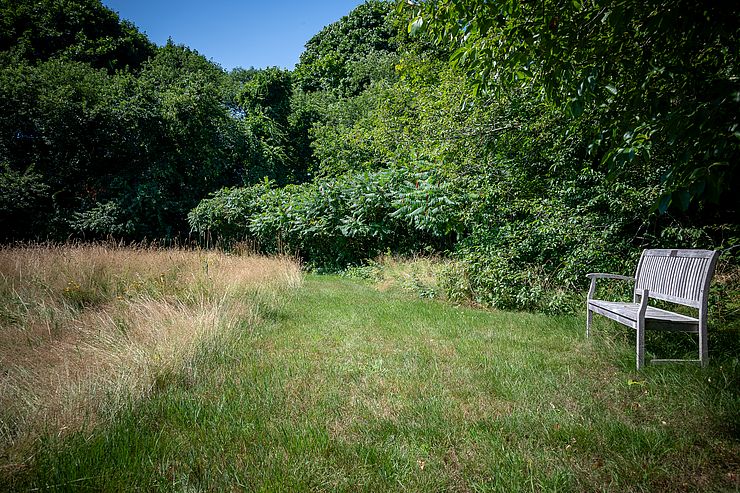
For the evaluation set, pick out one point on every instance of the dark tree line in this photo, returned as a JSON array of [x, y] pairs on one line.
[[554, 137], [103, 133]]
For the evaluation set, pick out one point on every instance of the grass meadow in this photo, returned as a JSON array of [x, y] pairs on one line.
[[88, 331], [188, 371]]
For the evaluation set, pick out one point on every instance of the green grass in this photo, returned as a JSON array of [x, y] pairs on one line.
[[345, 388]]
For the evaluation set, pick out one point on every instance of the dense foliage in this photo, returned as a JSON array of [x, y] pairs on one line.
[[664, 74], [347, 55], [79, 30], [335, 222], [562, 138], [118, 153], [103, 133]]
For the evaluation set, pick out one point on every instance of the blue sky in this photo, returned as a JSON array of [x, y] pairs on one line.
[[235, 33]]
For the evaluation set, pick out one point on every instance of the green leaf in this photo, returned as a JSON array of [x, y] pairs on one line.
[[576, 107], [664, 203], [684, 199], [415, 25], [457, 53], [697, 188]]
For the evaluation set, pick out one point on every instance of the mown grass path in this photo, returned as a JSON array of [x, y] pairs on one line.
[[345, 388]]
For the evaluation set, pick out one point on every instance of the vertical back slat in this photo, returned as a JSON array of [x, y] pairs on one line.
[[659, 281], [703, 273], [696, 276], [670, 266], [683, 281], [675, 275], [655, 266], [680, 281], [651, 261]]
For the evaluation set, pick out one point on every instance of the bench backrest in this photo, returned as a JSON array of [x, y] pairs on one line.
[[678, 276]]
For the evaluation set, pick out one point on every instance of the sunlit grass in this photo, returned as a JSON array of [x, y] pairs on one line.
[[342, 387], [86, 330]]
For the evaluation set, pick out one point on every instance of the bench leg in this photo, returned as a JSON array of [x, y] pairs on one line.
[[703, 349], [641, 328], [640, 345], [589, 320]]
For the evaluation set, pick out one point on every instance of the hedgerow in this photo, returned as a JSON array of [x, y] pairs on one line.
[[336, 222]]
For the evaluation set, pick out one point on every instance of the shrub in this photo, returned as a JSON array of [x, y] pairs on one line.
[[341, 221]]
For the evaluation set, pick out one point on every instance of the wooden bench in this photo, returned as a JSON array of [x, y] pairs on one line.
[[677, 276]]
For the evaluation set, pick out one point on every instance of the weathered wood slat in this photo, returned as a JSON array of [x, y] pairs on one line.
[[676, 276], [629, 322], [658, 252], [663, 361], [629, 311], [684, 280], [698, 276]]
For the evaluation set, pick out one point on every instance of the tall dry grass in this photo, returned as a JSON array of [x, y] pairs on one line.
[[85, 330]]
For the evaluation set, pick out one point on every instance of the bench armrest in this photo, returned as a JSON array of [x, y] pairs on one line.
[[597, 275]]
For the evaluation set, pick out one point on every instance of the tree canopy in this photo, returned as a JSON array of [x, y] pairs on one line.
[[105, 133], [343, 55], [531, 142], [658, 73], [79, 30]]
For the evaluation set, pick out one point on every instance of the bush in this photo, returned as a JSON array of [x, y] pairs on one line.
[[337, 222]]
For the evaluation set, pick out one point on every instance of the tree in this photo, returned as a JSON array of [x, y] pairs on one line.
[[334, 58], [183, 143], [662, 74], [265, 102], [79, 30], [59, 118], [125, 153], [22, 199]]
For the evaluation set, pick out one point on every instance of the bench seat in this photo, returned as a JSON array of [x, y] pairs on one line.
[[655, 318]]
